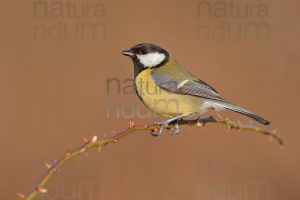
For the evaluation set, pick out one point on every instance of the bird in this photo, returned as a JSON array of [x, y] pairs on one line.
[[168, 89]]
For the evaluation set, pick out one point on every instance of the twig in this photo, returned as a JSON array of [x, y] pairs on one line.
[[39, 188]]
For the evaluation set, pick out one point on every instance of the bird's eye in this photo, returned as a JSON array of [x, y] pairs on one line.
[[144, 51]]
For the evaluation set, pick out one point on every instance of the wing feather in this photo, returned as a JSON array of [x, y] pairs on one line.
[[191, 87]]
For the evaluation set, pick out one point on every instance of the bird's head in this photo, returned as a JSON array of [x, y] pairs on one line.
[[147, 55]]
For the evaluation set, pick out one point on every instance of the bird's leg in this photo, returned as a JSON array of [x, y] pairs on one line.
[[164, 124]]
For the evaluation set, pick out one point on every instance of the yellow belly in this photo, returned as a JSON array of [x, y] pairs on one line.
[[163, 102]]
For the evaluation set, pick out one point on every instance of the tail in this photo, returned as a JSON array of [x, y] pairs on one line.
[[243, 111]]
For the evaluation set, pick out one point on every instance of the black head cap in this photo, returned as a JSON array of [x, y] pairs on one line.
[[147, 55]]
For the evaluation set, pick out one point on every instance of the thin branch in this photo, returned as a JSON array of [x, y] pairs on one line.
[[39, 188]]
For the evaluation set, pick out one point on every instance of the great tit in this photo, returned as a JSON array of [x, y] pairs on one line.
[[170, 90]]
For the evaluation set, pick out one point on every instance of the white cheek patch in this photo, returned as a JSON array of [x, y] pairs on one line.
[[151, 59]]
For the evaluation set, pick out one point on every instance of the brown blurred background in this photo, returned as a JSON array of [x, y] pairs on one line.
[[53, 74]]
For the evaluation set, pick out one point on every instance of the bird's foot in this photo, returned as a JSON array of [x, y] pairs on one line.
[[163, 125], [175, 130], [158, 132]]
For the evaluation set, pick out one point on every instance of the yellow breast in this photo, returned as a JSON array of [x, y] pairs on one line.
[[161, 101]]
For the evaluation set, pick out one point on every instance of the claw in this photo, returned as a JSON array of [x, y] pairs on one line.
[[154, 132], [158, 132], [175, 130], [164, 124]]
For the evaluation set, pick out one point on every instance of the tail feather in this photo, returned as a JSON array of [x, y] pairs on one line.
[[243, 111]]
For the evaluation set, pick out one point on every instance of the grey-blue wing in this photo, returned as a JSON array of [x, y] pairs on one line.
[[200, 89], [187, 87]]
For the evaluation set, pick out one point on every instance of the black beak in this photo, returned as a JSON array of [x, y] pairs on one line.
[[127, 53]]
